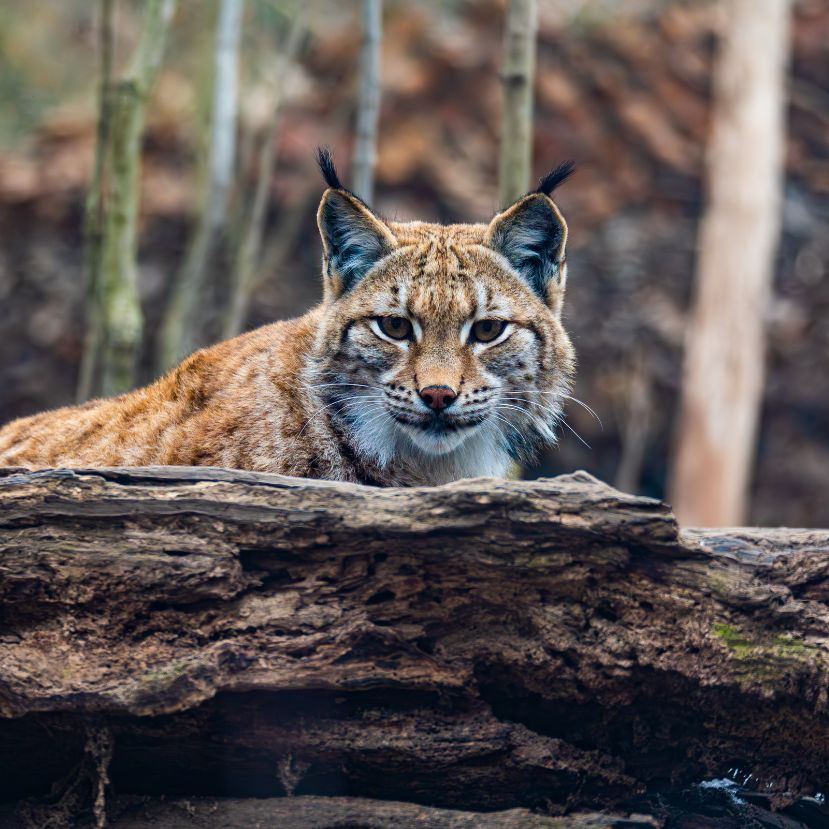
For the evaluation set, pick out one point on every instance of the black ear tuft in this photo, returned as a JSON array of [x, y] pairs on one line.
[[329, 173], [556, 177]]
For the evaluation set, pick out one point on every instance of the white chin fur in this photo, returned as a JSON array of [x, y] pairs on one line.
[[434, 444], [471, 453]]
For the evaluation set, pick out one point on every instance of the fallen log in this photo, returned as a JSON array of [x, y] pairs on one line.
[[547, 645], [327, 812]]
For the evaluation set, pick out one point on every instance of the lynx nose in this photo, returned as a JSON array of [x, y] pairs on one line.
[[437, 397]]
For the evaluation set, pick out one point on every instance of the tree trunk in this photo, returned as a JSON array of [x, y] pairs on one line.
[[517, 77], [119, 316], [246, 261], [181, 331], [368, 105], [95, 212], [725, 343], [485, 645]]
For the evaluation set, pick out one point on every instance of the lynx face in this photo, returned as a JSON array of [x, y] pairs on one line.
[[442, 346]]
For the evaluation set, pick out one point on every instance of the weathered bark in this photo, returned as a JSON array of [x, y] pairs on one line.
[[482, 645], [340, 812], [517, 78], [335, 813], [725, 343]]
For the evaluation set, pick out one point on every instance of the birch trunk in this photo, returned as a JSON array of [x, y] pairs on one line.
[[517, 78], [368, 112], [181, 332], [245, 264], [725, 344]]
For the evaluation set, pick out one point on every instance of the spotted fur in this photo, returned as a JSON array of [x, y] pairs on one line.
[[329, 395]]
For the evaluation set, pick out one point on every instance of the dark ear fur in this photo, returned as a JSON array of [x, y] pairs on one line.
[[326, 165], [555, 177], [353, 238], [531, 235]]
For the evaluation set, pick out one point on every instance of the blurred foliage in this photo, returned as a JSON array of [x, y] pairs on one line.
[[47, 58], [48, 62]]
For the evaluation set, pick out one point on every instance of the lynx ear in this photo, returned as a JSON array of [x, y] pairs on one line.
[[531, 235], [354, 240]]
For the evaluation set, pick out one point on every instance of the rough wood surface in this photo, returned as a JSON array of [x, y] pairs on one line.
[[337, 812], [484, 645]]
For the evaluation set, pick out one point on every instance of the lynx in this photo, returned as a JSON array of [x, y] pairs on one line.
[[437, 353]]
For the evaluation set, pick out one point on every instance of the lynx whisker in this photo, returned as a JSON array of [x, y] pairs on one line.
[[374, 418], [586, 408], [561, 394], [344, 400], [550, 408], [509, 423], [564, 422], [356, 385]]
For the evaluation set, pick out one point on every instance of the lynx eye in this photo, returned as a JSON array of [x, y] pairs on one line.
[[398, 328], [485, 331]]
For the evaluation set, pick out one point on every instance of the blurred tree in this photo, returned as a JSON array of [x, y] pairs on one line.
[[246, 260], [636, 421], [517, 77], [183, 323], [116, 309], [725, 341], [95, 215], [368, 108]]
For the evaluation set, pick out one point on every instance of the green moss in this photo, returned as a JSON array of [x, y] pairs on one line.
[[167, 673], [788, 645], [719, 584], [733, 638], [766, 661]]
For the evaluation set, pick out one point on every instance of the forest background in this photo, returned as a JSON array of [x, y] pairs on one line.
[[623, 88]]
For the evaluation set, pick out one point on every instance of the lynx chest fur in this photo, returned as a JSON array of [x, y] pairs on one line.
[[437, 353]]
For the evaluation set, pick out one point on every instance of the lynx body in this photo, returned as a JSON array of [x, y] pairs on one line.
[[437, 353]]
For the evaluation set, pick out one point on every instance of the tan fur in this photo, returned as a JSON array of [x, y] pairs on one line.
[[262, 401]]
